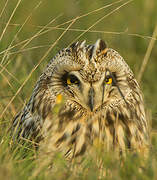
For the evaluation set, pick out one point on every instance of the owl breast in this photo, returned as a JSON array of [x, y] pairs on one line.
[[75, 132]]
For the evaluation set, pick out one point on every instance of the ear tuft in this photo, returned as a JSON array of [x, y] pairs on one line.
[[99, 47], [77, 45], [73, 46], [82, 44], [102, 45]]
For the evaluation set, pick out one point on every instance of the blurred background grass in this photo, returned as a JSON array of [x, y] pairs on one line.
[[127, 30]]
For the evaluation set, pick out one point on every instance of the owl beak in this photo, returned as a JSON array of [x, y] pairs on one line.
[[91, 99]]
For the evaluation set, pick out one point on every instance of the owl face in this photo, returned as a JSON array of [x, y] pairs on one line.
[[90, 76], [90, 95]]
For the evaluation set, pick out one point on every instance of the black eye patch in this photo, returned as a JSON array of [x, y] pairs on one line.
[[72, 79], [110, 78], [114, 79], [69, 79]]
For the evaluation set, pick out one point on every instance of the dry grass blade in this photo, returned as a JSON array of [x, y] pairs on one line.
[[28, 49], [8, 82], [4, 30], [51, 28], [92, 31], [5, 78], [9, 73], [83, 30], [27, 140], [27, 41], [39, 32], [142, 36], [147, 55], [81, 16], [116, 9], [4, 67], [4, 8], [44, 56], [96, 10], [103, 32], [6, 51]]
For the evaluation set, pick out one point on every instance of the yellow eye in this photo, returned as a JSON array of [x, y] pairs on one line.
[[68, 81], [72, 80], [108, 80]]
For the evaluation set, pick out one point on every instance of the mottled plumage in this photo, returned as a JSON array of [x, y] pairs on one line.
[[102, 101]]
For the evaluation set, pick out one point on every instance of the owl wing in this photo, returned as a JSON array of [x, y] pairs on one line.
[[27, 125]]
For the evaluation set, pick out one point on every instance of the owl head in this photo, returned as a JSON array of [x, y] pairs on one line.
[[90, 76]]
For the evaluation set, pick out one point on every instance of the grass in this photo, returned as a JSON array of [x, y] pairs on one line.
[[31, 34]]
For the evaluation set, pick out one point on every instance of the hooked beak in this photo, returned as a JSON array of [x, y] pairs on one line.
[[91, 98]]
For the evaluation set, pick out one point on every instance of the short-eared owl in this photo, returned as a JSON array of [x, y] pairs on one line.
[[102, 100]]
